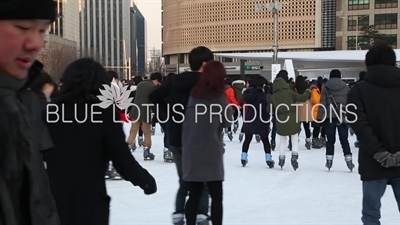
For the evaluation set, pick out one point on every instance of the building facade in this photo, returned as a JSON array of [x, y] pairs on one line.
[[105, 33], [141, 35], [134, 46], [67, 23], [228, 26], [354, 16]]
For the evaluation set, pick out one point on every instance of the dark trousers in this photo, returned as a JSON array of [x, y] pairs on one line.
[[273, 131], [372, 194], [247, 140], [164, 126], [235, 117], [317, 129], [195, 195], [343, 130], [184, 187], [306, 126]]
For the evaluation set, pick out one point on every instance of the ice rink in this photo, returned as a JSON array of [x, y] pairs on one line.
[[255, 194]]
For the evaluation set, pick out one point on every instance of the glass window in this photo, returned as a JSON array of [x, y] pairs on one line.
[[363, 21], [391, 39], [385, 21], [358, 4]]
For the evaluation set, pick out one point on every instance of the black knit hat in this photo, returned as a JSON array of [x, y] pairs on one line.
[[28, 10], [335, 74]]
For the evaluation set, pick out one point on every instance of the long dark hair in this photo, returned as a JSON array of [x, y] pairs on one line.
[[301, 84], [82, 80], [212, 81]]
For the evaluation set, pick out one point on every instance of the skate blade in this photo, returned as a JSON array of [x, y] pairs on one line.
[[244, 163]]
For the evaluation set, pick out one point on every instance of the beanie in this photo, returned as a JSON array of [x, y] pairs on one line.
[[28, 10], [284, 75], [335, 74]]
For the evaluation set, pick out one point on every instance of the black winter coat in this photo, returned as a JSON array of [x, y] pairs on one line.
[[77, 164], [377, 99], [178, 91]]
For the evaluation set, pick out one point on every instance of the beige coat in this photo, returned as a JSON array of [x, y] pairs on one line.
[[304, 111]]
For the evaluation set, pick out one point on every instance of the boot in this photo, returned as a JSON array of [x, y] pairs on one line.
[[235, 127], [132, 147], [329, 162], [230, 135], [316, 143], [308, 143], [168, 156], [258, 138], [349, 162], [147, 155], [269, 161], [243, 159], [281, 161], [295, 163], [241, 137], [140, 141]]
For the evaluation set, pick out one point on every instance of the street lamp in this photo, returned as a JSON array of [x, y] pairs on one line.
[[274, 7]]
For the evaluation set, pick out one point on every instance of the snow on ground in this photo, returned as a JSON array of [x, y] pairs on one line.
[[255, 194]]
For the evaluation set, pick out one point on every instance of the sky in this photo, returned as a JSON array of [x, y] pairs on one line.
[[151, 10]]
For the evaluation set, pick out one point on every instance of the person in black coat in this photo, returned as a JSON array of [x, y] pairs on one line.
[[83, 147], [374, 113]]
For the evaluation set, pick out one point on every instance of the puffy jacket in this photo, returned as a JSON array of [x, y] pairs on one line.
[[238, 87], [230, 94], [315, 99]]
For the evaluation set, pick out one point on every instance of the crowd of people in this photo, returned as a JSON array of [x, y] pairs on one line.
[[52, 173]]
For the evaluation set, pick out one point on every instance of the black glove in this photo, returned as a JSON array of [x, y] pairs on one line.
[[149, 186], [387, 160]]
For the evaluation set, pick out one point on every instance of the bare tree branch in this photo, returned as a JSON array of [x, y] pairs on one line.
[[56, 57]]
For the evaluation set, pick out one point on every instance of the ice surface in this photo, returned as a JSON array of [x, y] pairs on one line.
[[255, 194]]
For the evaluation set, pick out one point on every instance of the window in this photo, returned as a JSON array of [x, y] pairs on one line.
[[360, 20], [352, 41], [381, 4], [386, 21], [391, 39], [358, 4]]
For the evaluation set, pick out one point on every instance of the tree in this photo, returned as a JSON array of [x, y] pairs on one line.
[[370, 35], [56, 57]]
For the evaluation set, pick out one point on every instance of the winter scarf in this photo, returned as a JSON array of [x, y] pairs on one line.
[[14, 128]]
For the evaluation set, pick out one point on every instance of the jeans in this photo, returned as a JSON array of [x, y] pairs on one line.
[[372, 193], [164, 126], [184, 187], [330, 131]]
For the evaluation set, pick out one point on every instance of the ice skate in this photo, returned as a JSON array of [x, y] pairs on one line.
[[294, 160], [349, 162], [235, 127], [178, 219], [168, 156], [147, 155], [258, 138], [273, 144], [113, 173], [230, 135], [241, 137], [153, 130], [132, 147], [316, 143], [329, 162], [108, 174], [140, 141], [244, 159], [269, 161], [356, 144], [281, 161], [202, 219], [308, 143]]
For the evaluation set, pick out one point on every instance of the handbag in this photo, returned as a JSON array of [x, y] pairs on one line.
[[337, 108]]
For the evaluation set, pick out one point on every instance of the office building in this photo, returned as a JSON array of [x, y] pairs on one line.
[[105, 33], [356, 16], [141, 35]]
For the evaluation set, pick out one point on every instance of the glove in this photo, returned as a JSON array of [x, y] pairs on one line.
[[387, 160], [149, 186]]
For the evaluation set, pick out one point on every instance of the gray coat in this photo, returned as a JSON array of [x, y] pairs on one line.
[[339, 90], [202, 144], [143, 90]]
